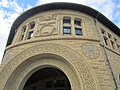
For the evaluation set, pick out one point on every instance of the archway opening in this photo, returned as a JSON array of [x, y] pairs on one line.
[[48, 79]]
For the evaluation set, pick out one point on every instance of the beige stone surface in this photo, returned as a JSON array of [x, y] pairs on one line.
[[81, 58]]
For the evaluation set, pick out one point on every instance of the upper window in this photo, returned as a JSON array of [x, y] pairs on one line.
[[77, 26], [23, 33], [112, 44], [77, 22], [105, 40], [102, 31], [110, 41], [22, 36], [30, 34], [24, 29], [109, 36], [31, 29], [69, 24], [66, 20], [67, 30], [32, 25], [118, 47], [78, 31], [115, 40]]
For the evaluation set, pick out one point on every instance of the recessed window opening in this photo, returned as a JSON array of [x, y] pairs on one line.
[[32, 25], [60, 83], [106, 40], [118, 46], [77, 22], [24, 29], [66, 20], [48, 79], [115, 40], [34, 88], [109, 35], [102, 31], [72, 26], [119, 76], [78, 31], [30, 34], [22, 37], [49, 84], [67, 30], [112, 43]]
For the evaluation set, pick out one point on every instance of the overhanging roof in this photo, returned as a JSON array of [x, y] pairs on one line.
[[63, 6]]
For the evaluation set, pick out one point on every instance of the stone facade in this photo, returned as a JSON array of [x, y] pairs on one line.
[[86, 60]]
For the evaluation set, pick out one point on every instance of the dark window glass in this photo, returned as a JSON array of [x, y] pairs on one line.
[[68, 83], [32, 25], [77, 22], [119, 76], [78, 31], [109, 35], [112, 43], [102, 31], [118, 46], [22, 37], [30, 34], [67, 30], [34, 88], [105, 39], [24, 29], [60, 83], [66, 20], [49, 84], [115, 40]]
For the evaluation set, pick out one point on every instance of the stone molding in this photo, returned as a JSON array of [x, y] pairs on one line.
[[86, 77]]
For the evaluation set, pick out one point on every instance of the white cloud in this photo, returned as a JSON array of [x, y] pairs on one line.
[[14, 6], [4, 30], [9, 11], [7, 17], [4, 3]]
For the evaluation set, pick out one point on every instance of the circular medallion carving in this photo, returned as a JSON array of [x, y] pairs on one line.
[[47, 30], [90, 50]]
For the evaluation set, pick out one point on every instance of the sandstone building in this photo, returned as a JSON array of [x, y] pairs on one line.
[[61, 46]]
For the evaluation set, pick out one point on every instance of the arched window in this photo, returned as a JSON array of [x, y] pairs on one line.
[[23, 33], [31, 29]]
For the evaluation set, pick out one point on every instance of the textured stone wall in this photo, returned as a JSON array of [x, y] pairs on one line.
[[82, 58]]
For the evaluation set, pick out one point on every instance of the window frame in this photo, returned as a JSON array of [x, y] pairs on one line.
[[78, 29], [67, 20], [74, 24], [66, 33], [77, 20]]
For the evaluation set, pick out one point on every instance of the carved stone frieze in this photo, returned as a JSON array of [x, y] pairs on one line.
[[47, 26], [70, 55], [46, 30], [47, 17]]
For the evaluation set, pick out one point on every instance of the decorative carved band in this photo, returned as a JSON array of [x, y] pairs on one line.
[[85, 73]]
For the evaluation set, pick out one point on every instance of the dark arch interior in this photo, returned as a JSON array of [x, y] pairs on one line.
[[48, 79]]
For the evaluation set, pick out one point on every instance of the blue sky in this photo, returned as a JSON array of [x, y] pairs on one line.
[[11, 9]]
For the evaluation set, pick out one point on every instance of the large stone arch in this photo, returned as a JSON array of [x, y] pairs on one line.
[[62, 57], [51, 62]]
